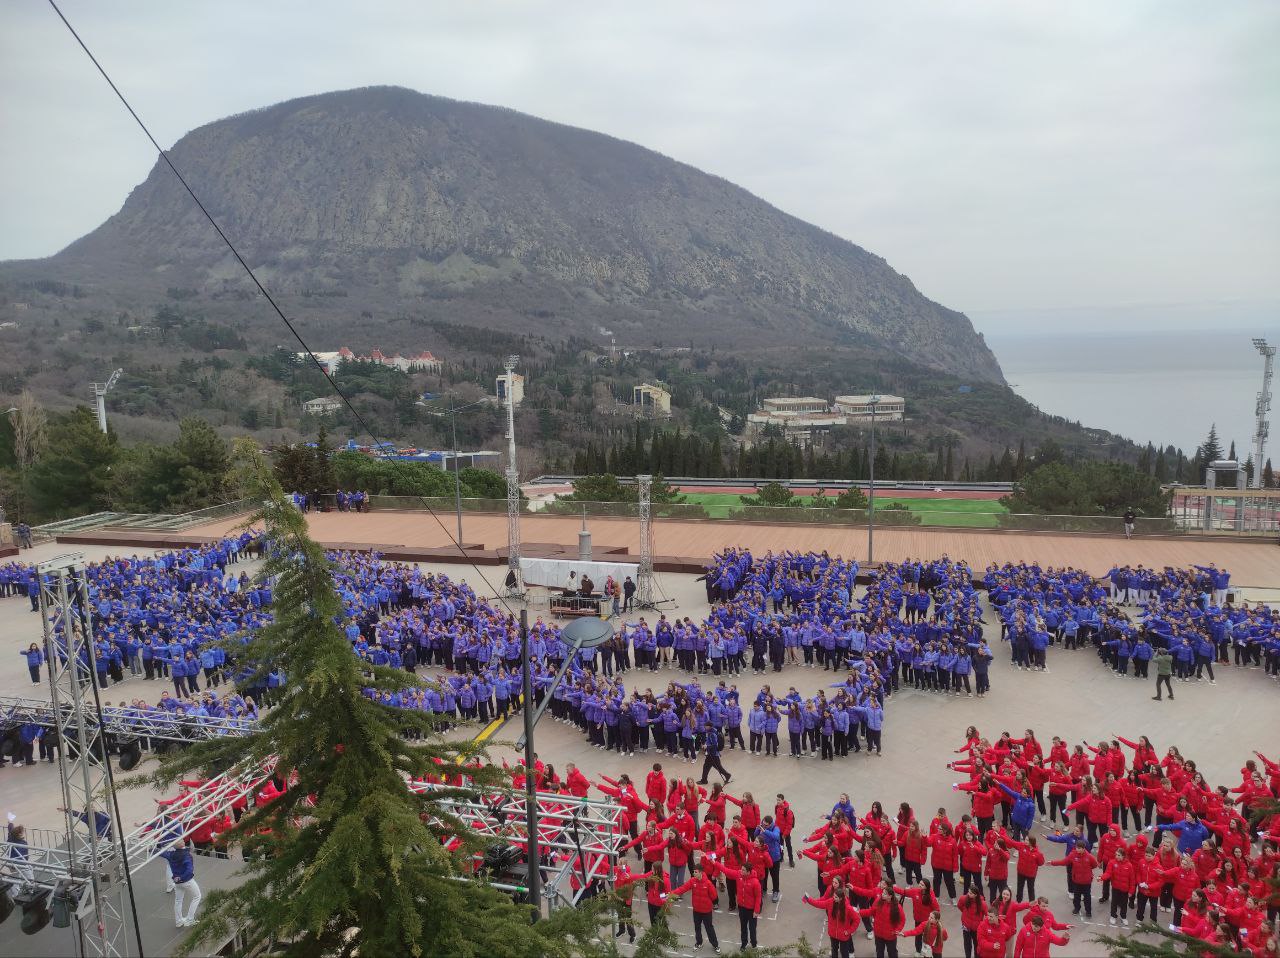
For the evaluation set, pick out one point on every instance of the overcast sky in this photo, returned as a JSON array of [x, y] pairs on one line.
[[1008, 156]]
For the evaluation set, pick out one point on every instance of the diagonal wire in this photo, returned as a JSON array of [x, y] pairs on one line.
[[368, 430]]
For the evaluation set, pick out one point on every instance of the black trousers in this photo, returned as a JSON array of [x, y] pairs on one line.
[[703, 920], [710, 762], [1167, 682], [886, 948], [841, 949], [747, 926]]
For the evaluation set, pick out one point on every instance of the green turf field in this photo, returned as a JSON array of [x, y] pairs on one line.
[[972, 513]]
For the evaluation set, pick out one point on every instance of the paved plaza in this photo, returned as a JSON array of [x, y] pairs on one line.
[[1077, 698]]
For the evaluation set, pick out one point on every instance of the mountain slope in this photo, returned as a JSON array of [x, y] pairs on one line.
[[388, 197]]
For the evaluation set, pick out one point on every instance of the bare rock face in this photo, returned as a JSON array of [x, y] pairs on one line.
[[392, 196]]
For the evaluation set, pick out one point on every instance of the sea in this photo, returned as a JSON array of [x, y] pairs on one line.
[[1163, 387]]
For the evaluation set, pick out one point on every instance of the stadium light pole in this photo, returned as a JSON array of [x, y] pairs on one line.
[[452, 414], [1263, 407], [584, 633], [873, 402]]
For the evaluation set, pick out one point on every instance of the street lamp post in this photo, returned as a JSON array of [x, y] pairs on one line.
[[453, 428], [873, 402], [584, 633]]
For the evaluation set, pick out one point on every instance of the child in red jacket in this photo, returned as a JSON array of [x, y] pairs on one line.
[[703, 901]]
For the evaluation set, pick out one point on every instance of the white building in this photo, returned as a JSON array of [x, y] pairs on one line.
[[858, 408], [794, 405], [321, 406], [332, 361], [651, 400], [517, 389]]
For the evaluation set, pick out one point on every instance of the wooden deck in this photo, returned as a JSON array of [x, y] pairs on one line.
[[1254, 563]]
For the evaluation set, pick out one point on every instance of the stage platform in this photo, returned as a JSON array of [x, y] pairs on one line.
[[155, 916], [685, 545]]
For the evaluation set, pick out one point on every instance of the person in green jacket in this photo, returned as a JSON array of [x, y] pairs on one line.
[[1164, 669]]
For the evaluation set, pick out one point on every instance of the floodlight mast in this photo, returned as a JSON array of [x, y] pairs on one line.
[[100, 391], [514, 581], [1263, 408]]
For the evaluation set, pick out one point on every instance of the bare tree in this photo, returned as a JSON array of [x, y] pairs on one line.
[[30, 437]]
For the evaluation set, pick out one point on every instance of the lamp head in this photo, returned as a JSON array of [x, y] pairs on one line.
[[587, 632]]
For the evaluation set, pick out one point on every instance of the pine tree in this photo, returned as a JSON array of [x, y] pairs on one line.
[[349, 860], [1006, 470], [322, 471], [1145, 459], [1268, 475], [1211, 448], [715, 459]]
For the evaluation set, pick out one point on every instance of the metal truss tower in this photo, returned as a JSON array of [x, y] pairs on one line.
[[1263, 427], [100, 391], [644, 572], [84, 767], [515, 583]]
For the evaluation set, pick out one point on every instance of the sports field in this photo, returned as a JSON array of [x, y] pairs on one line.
[[970, 513]]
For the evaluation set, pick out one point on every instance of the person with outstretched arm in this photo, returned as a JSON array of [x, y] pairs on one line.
[[1164, 672], [704, 903], [182, 871]]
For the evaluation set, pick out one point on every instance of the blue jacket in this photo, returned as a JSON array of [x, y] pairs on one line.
[[1190, 835], [772, 837], [1023, 813], [181, 865]]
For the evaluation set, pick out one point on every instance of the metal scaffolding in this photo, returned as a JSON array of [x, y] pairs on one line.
[[644, 571], [121, 726], [579, 840], [51, 861], [96, 864]]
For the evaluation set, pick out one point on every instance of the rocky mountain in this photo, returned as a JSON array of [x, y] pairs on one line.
[[377, 201]]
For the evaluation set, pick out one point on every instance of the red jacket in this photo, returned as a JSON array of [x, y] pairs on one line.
[[1185, 881], [971, 915], [971, 855], [992, 939], [1029, 859], [920, 911], [841, 923], [915, 849], [652, 845], [997, 863], [624, 878], [750, 892], [656, 892], [1035, 944], [944, 852], [1122, 875], [1081, 864], [750, 813], [578, 784], [784, 818], [984, 800], [931, 936], [1097, 810], [882, 924], [704, 894], [655, 787]]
